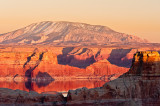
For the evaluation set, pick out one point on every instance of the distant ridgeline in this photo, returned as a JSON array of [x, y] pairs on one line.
[[68, 33]]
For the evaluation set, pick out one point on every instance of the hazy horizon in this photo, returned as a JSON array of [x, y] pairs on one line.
[[139, 18]]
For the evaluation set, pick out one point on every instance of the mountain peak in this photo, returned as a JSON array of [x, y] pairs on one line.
[[67, 33]]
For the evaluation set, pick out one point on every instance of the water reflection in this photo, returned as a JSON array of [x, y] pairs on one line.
[[48, 86]]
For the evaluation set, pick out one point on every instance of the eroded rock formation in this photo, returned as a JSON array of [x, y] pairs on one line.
[[91, 63], [65, 62], [139, 86], [15, 64]]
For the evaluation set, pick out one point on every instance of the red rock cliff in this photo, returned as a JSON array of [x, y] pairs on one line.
[[139, 86], [35, 62]]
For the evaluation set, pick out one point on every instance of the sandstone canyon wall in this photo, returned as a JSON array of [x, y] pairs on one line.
[[65, 62], [55, 62], [139, 86]]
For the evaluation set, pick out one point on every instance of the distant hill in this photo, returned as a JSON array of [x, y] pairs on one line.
[[67, 33]]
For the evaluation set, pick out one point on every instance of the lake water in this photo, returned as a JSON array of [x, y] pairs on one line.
[[62, 86]]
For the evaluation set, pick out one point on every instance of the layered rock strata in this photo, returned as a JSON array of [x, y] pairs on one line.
[[139, 86], [64, 62], [41, 63]]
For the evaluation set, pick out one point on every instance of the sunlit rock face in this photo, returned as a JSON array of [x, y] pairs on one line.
[[64, 62], [148, 61], [105, 68], [139, 86], [57, 62], [14, 64]]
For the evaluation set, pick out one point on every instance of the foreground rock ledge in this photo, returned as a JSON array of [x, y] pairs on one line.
[[18, 97], [138, 87]]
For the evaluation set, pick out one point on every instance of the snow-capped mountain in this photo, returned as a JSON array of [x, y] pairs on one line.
[[67, 33]]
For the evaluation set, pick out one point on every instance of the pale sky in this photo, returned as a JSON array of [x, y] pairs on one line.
[[135, 17]]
